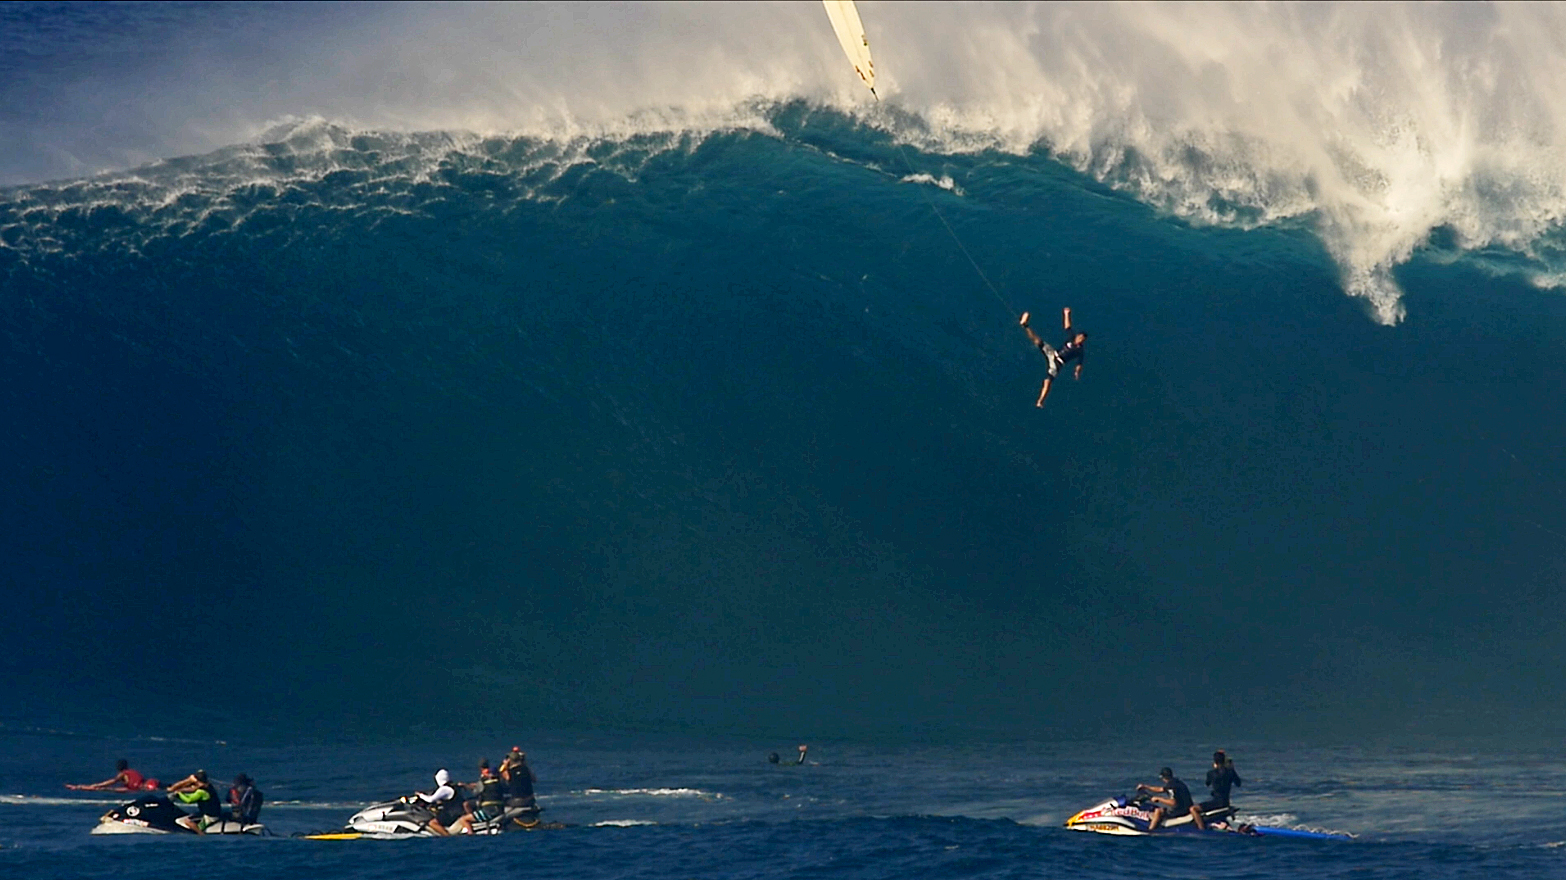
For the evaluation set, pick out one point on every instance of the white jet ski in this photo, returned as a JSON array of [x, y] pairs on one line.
[[1130, 816], [156, 814], [410, 817]]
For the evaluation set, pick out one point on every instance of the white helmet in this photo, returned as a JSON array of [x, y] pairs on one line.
[[442, 777]]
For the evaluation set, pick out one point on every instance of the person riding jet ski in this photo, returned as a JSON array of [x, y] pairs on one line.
[[490, 803], [1177, 803], [245, 800], [519, 779], [442, 802], [195, 790], [1220, 779]]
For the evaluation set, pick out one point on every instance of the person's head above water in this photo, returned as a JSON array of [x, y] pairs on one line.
[[1078, 336], [772, 757], [1219, 757], [121, 764], [1165, 773]]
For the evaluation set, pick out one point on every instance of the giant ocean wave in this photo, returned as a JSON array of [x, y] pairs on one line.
[[679, 403]]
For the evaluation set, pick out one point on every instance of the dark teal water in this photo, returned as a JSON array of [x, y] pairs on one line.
[[371, 440], [724, 433]]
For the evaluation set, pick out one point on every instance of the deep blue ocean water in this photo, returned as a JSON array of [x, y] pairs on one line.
[[656, 806], [672, 442]]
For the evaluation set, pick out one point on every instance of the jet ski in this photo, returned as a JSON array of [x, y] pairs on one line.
[[156, 814], [410, 817], [1132, 816]]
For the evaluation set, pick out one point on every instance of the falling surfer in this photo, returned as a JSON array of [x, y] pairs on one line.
[[1070, 350]]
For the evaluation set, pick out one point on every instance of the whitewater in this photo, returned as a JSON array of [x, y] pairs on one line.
[[1378, 127]]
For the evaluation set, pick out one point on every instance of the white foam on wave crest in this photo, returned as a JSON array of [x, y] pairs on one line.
[[622, 823], [655, 792], [1374, 124], [374, 173], [944, 182]]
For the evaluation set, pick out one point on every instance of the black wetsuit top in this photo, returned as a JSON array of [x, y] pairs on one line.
[[521, 784], [1220, 780], [489, 795], [1071, 350], [1181, 794], [246, 803], [210, 806]]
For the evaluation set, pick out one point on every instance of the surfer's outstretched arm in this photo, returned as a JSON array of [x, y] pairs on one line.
[[1065, 315]]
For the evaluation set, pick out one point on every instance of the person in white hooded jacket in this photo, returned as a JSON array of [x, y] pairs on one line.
[[441, 800]]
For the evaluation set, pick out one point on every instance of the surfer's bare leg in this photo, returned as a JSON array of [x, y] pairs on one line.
[[1158, 816], [1196, 816], [1032, 337], [1043, 393]]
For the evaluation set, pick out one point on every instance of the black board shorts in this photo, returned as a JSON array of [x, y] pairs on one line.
[[1211, 804]]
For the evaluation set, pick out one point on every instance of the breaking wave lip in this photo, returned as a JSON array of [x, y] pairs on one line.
[[622, 823], [1497, 218]]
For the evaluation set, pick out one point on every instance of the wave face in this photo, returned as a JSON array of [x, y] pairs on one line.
[[708, 421]]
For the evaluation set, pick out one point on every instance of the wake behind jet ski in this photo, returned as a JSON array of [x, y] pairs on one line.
[[155, 814]]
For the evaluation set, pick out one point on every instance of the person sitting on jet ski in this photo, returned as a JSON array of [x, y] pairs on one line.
[[519, 779], [441, 802], [124, 779], [1219, 780], [195, 789], [1178, 802], [245, 799], [490, 803]]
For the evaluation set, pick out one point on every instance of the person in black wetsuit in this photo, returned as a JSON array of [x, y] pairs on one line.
[[519, 779], [772, 758], [245, 800], [1070, 350], [1177, 803], [195, 790], [488, 803], [1219, 780]]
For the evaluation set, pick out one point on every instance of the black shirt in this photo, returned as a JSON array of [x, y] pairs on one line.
[[1071, 350], [1181, 794], [246, 802], [520, 782], [1220, 779]]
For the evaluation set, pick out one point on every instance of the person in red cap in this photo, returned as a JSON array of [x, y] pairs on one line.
[[519, 779]]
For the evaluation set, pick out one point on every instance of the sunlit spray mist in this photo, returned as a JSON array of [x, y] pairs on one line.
[[1372, 124]]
